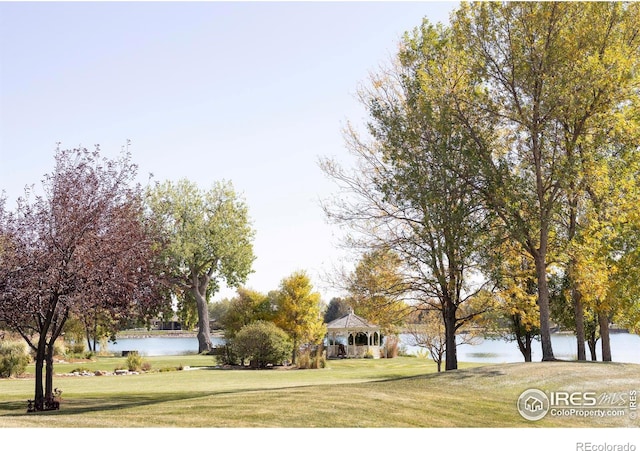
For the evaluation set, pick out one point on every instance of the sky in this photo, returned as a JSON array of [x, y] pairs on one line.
[[249, 92]]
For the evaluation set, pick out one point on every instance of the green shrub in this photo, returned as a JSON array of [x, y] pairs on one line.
[[134, 361], [14, 358], [59, 348], [263, 343], [75, 349], [225, 354]]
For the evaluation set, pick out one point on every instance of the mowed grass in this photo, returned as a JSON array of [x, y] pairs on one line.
[[387, 393]]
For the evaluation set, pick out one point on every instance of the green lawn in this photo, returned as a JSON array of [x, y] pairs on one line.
[[387, 393]]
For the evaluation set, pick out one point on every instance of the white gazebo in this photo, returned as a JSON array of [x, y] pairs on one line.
[[353, 336]]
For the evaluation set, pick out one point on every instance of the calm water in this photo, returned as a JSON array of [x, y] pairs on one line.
[[153, 346], [624, 348]]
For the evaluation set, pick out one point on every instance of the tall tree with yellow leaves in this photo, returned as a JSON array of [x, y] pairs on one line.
[[376, 288], [298, 311], [542, 77]]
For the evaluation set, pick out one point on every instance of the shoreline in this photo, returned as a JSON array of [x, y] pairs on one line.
[[163, 334]]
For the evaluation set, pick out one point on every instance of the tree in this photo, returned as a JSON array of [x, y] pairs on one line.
[[337, 308], [427, 331], [217, 312], [514, 313], [515, 316], [541, 77], [376, 289], [599, 265], [563, 312], [625, 255], [263, 343], [412, 191], [209, 241], [247, 307], [605, 249], [99, 325], [84, 245], [298, 311], [604, 67]]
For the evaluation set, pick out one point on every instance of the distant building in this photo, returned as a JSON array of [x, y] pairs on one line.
[[161, 324]]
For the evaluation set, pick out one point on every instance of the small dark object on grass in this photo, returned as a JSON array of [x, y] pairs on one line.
[[50, 403]]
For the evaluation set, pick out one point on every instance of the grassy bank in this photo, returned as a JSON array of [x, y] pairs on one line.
[[402, 392]]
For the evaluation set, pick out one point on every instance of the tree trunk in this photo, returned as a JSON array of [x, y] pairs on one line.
[[543, 304], [204, 336], [603, 321], [39, 388], [91, 344], [88, 337], [524, 344], [451, 351], [576, 296], [523, 337], [579, 316], [48, 387], [529, 338], [592, 348], [294, 352]]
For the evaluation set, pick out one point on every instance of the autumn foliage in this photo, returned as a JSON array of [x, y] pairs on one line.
[[81, 247]]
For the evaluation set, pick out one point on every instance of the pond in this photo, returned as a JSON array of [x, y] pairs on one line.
[[154, 346], [624, 348]]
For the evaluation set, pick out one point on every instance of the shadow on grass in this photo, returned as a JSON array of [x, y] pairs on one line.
[[473, 373], [78, 406], [460, 374], [75, 406]]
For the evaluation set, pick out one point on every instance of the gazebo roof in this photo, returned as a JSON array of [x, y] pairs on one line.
[[351, 321]]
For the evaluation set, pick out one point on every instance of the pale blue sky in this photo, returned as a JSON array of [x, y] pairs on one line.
[[252, 92]]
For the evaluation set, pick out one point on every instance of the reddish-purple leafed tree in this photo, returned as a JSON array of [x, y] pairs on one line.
[[82, 246]]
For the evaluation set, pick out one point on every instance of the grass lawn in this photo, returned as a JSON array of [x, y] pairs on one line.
[[387, 393]]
